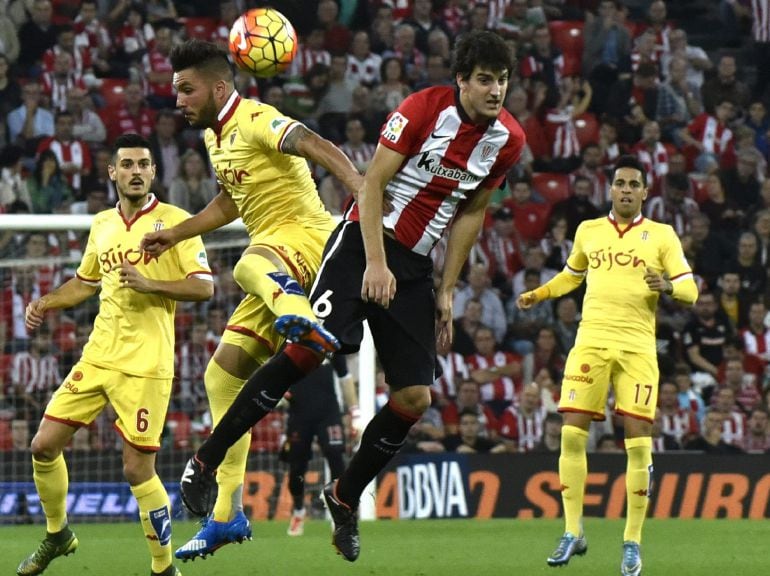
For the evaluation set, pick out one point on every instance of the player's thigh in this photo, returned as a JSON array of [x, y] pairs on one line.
[[336, 294], [80, 398], [251, 328], [141, 405], [330, 432], [585, 384], [635, 378]]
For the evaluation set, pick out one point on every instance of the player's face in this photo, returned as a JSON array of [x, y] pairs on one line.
[[627, 193], [132, 173], [482, 93], [195, 98]]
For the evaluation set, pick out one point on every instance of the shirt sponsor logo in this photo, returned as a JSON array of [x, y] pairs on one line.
[[607, 258], [231, 176], [395, 126], [431, 164], [113, 257]]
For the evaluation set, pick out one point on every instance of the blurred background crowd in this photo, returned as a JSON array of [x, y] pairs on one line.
[[683, 85]]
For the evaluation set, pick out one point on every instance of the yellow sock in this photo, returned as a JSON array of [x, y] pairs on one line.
[[280, 291], [52, 483], [221, 389], [638, 485], [155, 516], [572, 475]]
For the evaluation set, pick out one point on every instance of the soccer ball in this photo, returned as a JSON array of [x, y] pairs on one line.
[[263, 42]]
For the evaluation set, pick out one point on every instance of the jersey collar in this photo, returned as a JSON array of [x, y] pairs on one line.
[[227, 111], [467, 119], [151, 203], [635, 222]]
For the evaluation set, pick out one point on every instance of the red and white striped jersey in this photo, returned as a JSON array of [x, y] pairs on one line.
[[756, 344], [366, 71], [34, 374], [454, 371], [81, 59], [501, 389], [447, 159], [306, 57], [760, 27], [680, 424], [655, 163], [715, 136], [73, 152], [734, 428], [154, 61], [561, 132], [57, 90], [504, 253], [526, 431]]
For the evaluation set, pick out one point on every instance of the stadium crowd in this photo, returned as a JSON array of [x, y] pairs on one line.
[[596, 79]]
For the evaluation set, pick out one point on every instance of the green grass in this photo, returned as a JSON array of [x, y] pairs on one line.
[[419, 548]]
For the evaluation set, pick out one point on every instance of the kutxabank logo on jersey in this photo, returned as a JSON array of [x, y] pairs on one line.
[[431, 163]]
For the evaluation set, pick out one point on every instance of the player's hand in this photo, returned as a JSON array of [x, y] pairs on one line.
[[156, 243], [379, 285], [33, 316], [526, 300], [444, 326], [130, 278], [656, 282]]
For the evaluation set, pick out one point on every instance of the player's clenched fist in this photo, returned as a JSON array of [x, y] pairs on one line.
[[131, 278], [33, 316]]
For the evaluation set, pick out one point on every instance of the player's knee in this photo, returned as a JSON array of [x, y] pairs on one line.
[[240, 273], [136, 471], [42, 450], [413, 400]]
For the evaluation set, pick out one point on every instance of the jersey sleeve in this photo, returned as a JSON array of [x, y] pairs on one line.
[[577, 262], [89, 270], [678, 269], [266, 128], [403, 127]]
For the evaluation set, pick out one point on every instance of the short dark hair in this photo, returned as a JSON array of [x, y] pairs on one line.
[[631, 161], [484, 49], [203, 56], [129, 140], [468, 412]]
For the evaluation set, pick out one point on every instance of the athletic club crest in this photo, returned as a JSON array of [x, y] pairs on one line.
[[487, 150]]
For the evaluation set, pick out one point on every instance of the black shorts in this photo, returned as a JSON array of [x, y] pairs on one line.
[[405, 333], [301, 431]]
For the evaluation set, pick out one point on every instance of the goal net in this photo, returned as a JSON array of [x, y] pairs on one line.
[[39, 252]]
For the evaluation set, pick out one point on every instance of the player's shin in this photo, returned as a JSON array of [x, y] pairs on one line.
[[280, 291], [381, 440], [155, 516], [638, 486], [262, 391], [573, 469], [52, 482]]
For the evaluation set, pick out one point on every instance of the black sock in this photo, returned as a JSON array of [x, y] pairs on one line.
[[297, 489], [381, 440], [258, 397]]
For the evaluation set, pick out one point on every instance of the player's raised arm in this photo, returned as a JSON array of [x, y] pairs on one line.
[[301, 141], [220, 211], [71, 293]]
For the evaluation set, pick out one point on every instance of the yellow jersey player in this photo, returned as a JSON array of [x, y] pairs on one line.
[[128, 361], [260, 158], [627, 261]]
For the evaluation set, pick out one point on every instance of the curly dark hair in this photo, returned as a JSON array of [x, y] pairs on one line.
[[485, 49]]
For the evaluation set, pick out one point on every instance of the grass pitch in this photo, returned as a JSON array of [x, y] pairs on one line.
[[418, 548]]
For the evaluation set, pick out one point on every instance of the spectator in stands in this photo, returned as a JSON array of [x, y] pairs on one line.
[[547, 351], [695, 59], [426, 434], [678, 422], [634, 102], [436, 73], [92, 35], [760, 225], [757, 438], [708, 139], [99, 179], [733, 418], [688, 398], [654, 157], [134, 36], [303, 95], [192, 189], [363, 65], [382, 28], [521, 427], [31, 121], [37, 35], [502, 248], [468, 440], [606, 51], [355, 147], [34, 375], [424, 22], [465, 326], [479, 17], [13, 186], [606, 444], [524, 325], [160, 10], [563, 105], [591, 168], [337, 36], [534, 258], [555, 244], [9, 39], [644, 50], [95, 201], [156, 68], [10, 96], [678, 101], [167, 148], [453, 371], [673, 207], [73, 155], [87, 125], [542, 59], [705, 334], [710, 439], [577, 207], [80, 63], [724, 215], [551, 442], [745, 392], [336, 101], [310, 52], [756, 334], [609, 147], [47, 185], [393, 89], [191, 358], [753, 276], [741, 184], [58, 82], [517, 104], [725, 86], [498, 373], [469, 398], [709, 251], [478, 287], [530, 218], [520, 20], [132, 116]]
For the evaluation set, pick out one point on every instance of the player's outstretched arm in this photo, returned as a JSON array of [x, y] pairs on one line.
[[301, 141], [220, 211], [69, 294]]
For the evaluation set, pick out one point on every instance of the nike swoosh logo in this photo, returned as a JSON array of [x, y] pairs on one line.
[[268, 398], [388, 443], [439, 136]]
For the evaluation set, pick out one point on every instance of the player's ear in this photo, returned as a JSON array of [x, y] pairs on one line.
[[111, 172]]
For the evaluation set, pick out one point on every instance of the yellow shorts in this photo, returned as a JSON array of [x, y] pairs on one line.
[[251, 325], [590, 371], [140, 403]]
